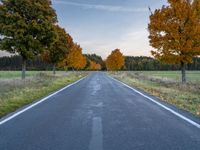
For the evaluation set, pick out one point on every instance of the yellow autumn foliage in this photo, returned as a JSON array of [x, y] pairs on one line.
[[74, 59], [115, 60], [94, 66], [175, 31]]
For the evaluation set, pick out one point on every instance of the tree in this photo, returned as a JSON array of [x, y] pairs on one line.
[[57, 51], [26, 27], [74, 59], [175, 33], [93, 65], [97, 59], [115, 60]]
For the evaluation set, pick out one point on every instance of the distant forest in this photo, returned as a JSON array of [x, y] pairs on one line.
[[151, 64], [131, 63]]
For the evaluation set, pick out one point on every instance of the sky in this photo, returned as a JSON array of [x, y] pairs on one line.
[[101, 26]]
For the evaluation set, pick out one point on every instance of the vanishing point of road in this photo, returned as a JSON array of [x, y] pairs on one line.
[[99, 113]]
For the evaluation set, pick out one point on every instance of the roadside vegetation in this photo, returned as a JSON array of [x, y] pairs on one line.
[[166, 85], [15, 93], [15, 74]]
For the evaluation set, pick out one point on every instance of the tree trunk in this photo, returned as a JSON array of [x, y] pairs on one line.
[[183, 71], [54, 69], [23, 68]]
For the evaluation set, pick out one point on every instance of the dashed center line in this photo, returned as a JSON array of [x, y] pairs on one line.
[[96, 142]]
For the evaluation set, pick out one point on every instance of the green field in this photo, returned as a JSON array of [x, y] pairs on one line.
[[167, 86], [192, 76], [15, 93], [17, 74]]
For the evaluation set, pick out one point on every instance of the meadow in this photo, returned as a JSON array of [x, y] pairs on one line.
[[167, 86], [192, 76], [17, 74], [15, 93]]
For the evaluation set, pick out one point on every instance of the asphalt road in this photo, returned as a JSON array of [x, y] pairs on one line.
[[98, 113]]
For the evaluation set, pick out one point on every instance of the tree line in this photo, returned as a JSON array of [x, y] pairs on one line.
[[92, 62], [148, 63], [131, 63]]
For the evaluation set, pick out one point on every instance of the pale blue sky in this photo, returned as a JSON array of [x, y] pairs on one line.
[[100, 26]]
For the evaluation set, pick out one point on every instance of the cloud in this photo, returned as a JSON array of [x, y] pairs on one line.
[[133, 43], [101, 7]]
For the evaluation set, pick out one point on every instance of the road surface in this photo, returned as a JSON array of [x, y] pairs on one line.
[[98, 113]]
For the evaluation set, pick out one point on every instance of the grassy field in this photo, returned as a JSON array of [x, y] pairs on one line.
[[15, 93], [192, 76], [17, 74], [167, 86]]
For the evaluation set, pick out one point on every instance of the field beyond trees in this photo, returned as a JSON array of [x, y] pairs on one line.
[[15, 93], [167, 86]]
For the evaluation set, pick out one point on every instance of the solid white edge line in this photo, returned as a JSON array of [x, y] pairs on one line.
[[161, 105], [37, 103]]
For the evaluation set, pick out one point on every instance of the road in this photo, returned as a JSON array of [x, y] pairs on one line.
[[98, 113]]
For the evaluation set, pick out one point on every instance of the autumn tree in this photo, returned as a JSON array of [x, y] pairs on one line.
[[115, 60], [93, 65], [74, 59], [175, 33], [97, 59], [26, 27], [57, 51]]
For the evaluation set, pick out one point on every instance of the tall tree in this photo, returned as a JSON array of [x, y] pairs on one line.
[[57, 51], [26, 27], [115, 60], [74, 59], [175, 33]]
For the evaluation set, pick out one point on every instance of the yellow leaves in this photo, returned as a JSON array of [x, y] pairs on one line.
[[115, 60], [74, 59], [94, 66], [175, 31]]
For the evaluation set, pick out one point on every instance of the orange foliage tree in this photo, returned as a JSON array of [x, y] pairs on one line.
[[74, 59], [93, 65], [175, 33], [115, 60]]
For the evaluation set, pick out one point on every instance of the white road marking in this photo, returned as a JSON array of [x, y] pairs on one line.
[[37, 103], [161, 105], [96, 142]]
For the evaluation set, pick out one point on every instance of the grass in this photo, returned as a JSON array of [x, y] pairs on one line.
[[192, 76], [15, 93], [166, 85], [16, 74]]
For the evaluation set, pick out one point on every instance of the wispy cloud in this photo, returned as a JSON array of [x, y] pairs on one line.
[[131, 42], [101, 7]]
